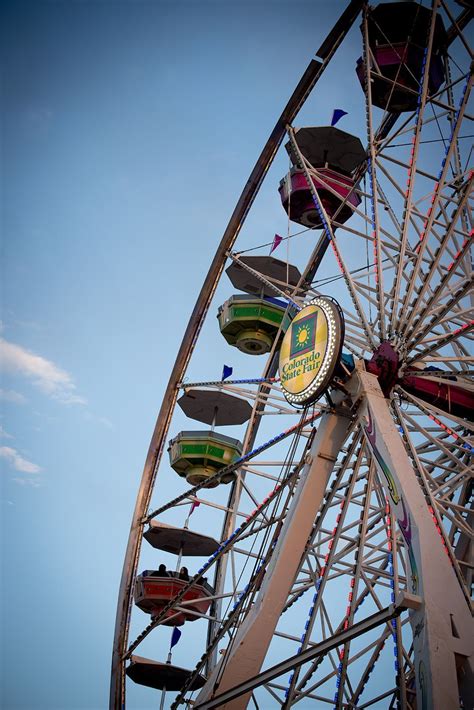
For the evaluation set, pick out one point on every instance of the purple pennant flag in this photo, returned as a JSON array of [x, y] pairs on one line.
[[196, 503], [175, 636], [226, 372], [337, 114], [276, 242]]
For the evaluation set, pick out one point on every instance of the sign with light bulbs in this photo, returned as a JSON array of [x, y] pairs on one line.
[[311, 350]]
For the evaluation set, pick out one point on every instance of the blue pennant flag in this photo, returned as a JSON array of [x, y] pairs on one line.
[[176, 635], [226, 372], [336, 115]]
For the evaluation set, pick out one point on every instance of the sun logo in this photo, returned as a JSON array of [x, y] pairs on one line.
[[302, 336]]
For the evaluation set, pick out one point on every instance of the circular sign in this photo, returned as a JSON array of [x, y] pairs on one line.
[[311, 350]]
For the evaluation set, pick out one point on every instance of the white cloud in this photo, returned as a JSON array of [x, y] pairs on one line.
[[12, 396], [4, 434], [26, 482], [100, 420], [17, 461], [47, 376]]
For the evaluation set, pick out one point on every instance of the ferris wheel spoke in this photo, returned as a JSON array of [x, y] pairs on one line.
[[367, 573], [334, 497], [325, 561], [420, 292], [442, 288], [371, 171], [331, 238], [341, 429], [225, 629], [439, 185], [454, 513], [344, 654], [390, 242], [459, 436], [441, 453], [457, 25], [445, 473], [429, 485], [441, 342], [407, 207], [229, 521], [223, 549], [332, 544], [417, 170], [234, 466], [448, 449], [442, 314]]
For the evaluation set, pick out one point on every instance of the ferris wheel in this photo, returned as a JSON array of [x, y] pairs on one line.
[[322, 555]]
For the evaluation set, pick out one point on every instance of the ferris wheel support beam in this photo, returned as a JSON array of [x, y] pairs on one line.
[[248, 649], [443, 628], [319, 650]]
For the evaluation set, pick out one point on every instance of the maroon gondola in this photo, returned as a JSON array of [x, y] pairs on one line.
[[398, 36], [333, 155]]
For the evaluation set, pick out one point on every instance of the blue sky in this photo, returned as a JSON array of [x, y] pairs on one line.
[[129, 129]]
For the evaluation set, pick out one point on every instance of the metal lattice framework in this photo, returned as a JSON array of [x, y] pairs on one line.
[[346, 551]]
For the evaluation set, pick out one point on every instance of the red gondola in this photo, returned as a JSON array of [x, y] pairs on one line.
[[152, 594]]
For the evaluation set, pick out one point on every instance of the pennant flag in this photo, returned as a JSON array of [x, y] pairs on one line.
[[337, 114], [176, 635], [195, 504], [226, 372], [276, 242]]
